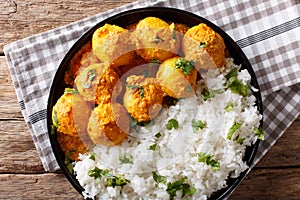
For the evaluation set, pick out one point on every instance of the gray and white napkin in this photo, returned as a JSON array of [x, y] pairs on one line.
[[267, 31]]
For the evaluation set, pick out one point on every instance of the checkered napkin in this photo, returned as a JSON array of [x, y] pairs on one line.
[[267, 31]]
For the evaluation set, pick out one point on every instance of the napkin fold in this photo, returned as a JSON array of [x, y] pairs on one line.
[[266, 31]]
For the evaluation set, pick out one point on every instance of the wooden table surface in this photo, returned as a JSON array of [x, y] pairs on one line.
[[276, 176]]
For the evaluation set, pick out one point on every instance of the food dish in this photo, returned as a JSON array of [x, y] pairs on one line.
[[131, 17]]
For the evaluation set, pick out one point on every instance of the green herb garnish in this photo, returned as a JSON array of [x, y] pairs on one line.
[[158, 135], [134, 122], [185, 66], [92, 156], [138, 87], [71, 91], [126, 158], [112, 181], [229, 107], [202, 45], [53, 130], [207, 95], [239, 140], [157, 178], [197, 125], [91, 76], [232, 73], [236, 86], [69, 162], [153, 147], [259, 132], [54, 118], [233, 129], [208, 159], [173, 187], [172, 123]]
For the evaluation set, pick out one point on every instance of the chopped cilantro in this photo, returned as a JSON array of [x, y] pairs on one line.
[[53, 129], [112, 181], [229, 107], [92, 156], [157, 178], [125, 159], [232, 73], [71, 91], [233, 129], [237, 87], [153, 147], [202, 45], [69, 162], [239, 140], [185, 66], [208, 159], [158, 135], [172, 123], [259, 132], [197, 125], [134, 122], [54, 118], [181, 184], [207, 95], [138, 87]]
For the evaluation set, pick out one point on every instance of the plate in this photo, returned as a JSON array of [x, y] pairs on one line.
[[130, 17]]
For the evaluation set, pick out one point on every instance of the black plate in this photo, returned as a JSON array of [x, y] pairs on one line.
[[125, 19]]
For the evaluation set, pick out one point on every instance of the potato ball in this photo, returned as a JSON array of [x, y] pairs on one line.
[[203, 45], [108, 124], [111, 44], [143, 98], [97, 83], [83, 58], [70, 115], [155, 39], [71, 146], [177, 77]]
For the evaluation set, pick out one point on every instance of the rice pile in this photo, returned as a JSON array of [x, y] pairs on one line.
[[192, 160]]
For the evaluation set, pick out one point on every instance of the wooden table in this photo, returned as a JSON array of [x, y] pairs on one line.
[[277, 175]]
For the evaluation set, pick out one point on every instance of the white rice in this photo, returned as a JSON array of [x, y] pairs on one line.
[[177, 156]]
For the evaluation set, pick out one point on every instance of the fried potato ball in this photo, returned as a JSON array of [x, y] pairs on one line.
[[111, 44], [143, 98], [97, 83], [72, 146], [155, 39], [177, 77], [203, 45], [83, 58], [70, 115], [108, 124]]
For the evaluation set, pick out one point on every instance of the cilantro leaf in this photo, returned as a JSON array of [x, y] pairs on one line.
[[172, 123], [125, 159], [181, 184], [236, 86], [233, 129], [229, 107], [185, 66], [137, 87], [208, 159], [158, 135], [153, 147], [232, 73], [259, 132], [157, 178], [197, 125]]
